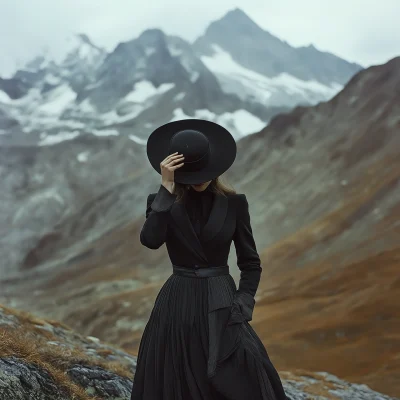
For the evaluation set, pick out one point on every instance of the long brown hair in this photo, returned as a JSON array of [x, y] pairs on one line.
[[217, 186]]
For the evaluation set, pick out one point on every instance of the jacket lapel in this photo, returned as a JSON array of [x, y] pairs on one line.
[[216, 218], [213, 225]]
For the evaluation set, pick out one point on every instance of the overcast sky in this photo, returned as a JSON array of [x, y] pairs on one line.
[[364, 31]]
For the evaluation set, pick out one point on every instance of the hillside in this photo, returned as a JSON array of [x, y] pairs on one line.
[[46, 360]]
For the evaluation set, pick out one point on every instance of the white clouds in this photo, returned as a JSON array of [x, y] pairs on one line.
[[365, 31]]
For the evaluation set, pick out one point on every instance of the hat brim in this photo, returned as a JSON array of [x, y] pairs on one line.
[[222, 149]]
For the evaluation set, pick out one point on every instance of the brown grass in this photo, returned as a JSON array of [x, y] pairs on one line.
[[30, 344], [345, 321], [376, 182], [15, 344]]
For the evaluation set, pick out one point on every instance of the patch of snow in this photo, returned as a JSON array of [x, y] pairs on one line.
[[174, 51], [30, 122], [4, 98], [52, 80], [57, 100], [86, 107], [240, 122], [252, 85], [179, 96], [244, 122], [83, 157], [138, 140], [190, 66], [112, 117], [193, 76], [49, 140], [149, 51], [143, 90], [105, 132], [68, 123], [179, 114]]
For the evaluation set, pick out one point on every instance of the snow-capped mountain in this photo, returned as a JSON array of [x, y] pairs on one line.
[[257, 66], [257, 50], [74, 63], [236, 74]]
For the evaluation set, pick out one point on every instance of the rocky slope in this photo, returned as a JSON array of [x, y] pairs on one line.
[[46, 360], [43, 359], [327, 180]]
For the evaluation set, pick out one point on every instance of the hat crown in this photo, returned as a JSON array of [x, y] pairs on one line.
[[193, 144]]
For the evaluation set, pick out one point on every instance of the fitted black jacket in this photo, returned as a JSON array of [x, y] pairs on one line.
[[167, 222]]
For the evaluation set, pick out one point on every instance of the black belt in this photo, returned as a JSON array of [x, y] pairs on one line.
[[198, 271]]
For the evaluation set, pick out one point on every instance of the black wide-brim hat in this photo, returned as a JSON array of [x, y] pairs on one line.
[[208, 148]]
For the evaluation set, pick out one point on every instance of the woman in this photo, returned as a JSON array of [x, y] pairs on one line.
[[198, 343]]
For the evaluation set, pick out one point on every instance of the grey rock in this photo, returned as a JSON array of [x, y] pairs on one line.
[[100, 382], [15, 87], [22, 381]]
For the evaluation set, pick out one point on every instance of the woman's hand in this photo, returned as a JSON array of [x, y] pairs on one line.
[[168, 166]]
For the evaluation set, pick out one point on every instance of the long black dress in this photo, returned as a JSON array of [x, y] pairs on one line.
[[173, 353]]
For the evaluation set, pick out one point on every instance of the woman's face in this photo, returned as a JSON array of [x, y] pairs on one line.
[[201, 187]]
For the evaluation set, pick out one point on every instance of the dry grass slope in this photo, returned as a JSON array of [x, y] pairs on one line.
[[31, 340], [345, 321]]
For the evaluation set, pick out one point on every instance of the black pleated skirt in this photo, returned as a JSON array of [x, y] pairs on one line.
[[173, 352]]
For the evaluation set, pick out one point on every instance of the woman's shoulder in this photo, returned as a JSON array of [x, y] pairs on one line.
[[236, 196], [238, 199]]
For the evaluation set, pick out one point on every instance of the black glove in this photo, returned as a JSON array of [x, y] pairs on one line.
[[242, 308]]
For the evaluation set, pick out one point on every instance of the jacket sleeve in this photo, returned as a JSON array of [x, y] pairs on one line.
[[248, 261], [154, 230]]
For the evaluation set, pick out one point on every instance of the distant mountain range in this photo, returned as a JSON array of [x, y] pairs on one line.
[[236, 74]]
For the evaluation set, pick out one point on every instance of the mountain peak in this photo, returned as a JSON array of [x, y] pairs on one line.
[[154, 33], [237, 16], [236, 13], [73, 46], [83, 39], [233, 24]]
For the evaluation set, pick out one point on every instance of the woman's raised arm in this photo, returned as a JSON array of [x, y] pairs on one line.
[[154, 230]]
